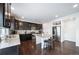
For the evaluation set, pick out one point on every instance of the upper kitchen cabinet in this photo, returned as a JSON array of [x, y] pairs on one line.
[[16, 24], [7, 15], [1, 14], [13, 23], [38, 26], [24, 25], [21, 25]]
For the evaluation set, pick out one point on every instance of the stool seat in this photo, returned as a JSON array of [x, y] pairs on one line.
[[46, 43], [45, 40]]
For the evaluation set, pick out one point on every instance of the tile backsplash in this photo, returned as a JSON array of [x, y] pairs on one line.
[[26, 31], [4, 31]]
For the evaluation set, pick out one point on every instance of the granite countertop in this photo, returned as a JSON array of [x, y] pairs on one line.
[[42, 35], [10, 41]]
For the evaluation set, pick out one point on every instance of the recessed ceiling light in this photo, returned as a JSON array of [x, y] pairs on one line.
[[75, 5], [22, 17], [56, 16], [12, 8]]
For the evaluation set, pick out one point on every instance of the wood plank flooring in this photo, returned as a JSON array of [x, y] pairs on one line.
[[66, 48]]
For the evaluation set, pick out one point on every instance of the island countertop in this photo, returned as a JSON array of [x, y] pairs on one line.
[[9, 42]]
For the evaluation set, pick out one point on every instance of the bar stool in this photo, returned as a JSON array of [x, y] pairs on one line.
[[46, 42]]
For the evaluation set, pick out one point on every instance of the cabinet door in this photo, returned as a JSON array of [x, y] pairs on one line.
[[38, 26], [7, 15], [10, 51], [7, 23], [16, 24], [1, 14]]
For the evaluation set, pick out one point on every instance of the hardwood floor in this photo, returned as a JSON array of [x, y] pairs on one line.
[[66, 48]]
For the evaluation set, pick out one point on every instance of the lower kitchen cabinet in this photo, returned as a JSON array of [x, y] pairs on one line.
[[25, 37], [14, 50]]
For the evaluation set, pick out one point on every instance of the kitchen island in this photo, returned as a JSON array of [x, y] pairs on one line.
[[40, 38], [9, 46]]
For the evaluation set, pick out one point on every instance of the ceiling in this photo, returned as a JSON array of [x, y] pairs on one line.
[[43, 12]]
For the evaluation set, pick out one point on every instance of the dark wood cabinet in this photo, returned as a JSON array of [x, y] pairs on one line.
[[24, 37], [16, 24], [20, 25], [7, 15], [2, 14], [39, 27], [10, 50], [5, 12], [7, 23]]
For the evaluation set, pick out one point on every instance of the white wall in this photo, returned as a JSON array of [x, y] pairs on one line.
[[68, 32], [69, 28], [77, 30], [74, 24]]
